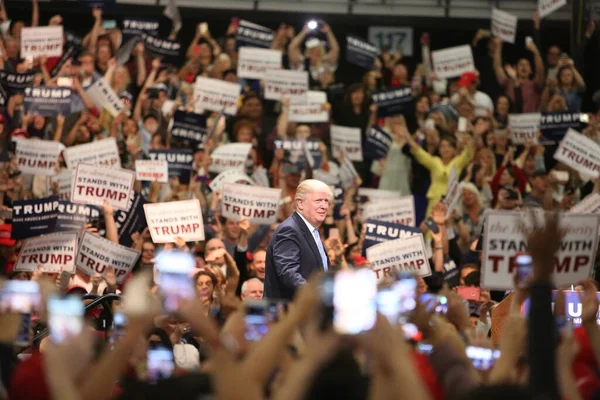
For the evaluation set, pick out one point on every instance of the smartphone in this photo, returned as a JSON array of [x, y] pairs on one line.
[[482, 358], [528, 40], [564, 55], [64, 81], [424, 348], [397, 303], [334, 233], [524, 269], [561, 176], [203, 27], [109, 24], [159, 363], [21, 297], [349, 300], [441, 301], [462, 124], [259, 314], [65, 317], [174, 281], [469, 293], [119, 326], [584, 118], [432, 226]]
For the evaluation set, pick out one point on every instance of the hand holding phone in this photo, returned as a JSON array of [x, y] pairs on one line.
[[65, 317], [174, 281], [524, 264]]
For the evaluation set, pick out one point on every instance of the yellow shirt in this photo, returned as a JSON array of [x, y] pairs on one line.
[[440, 172]]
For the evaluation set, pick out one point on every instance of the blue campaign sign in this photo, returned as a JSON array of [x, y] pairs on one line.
[[391, 102], [131, 221], [554, 125], [189, 126], [161, 48], [360, 52], [135, 26], [16, 83], [295, 150], [253, 35], [573, 307], [380, 231], [48, 101], [338, 201], [377, 144], [34, 217], [73, 217], [179, 160]]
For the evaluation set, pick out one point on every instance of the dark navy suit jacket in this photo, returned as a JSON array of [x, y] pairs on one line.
[[292, 256]]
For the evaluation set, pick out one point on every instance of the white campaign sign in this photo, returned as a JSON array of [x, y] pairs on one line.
[[453, 193], [312, 110], [504, 237], [453, 61], [281, 83], [102, 153], [580, 153], [64, 181], [257, 204], [547, 7], [48, 253], [229, 176], [96, 254], [399, 210], [93, 185], [38, 157], [400, 255], [349, 139], [589, 205], [168, 221], [524, 127], [103, 96], [504, 25], [253, 62], [378, 194], [46, 41], [229, 156], [216, 95], [394, 37], [152, 170]]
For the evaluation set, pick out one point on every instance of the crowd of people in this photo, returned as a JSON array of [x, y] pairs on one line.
[[241, 325]]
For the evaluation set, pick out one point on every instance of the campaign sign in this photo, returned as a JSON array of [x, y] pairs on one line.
[[453, 61], [134, 26], [338, 201], [72, 52], [253, 35], [400, 210], [152, 170], [63, 184], [547, 7], [453, 192], [102, 153], [580, 153], [349, 139], [131, 221], [73, 217], [360, 52], [505, 235], [229, 156], [230, 176], [400, 255], [42, 41], [95, 254], [348, 173], [16, 83], [524, 127], [168, 221], [589, 205], [380, 231], [257, 204], [103, 96], [189, 126], [573, 306], [38, 157], [504, 25], [311, 110], [378, 194], [216, 95], [395, 38], [161, 48], [260, 177], [33, 217], [280, 83], [48, 101], [48, 253], [394, 101], [94, 185], [179, 160], [295, 149], [377, 144], [555, 125], [253, 63]]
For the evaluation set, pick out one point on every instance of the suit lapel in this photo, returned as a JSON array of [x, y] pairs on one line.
[[309, 237]]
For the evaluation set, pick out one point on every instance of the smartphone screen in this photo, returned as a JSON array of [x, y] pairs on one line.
[[469, 293], [482, 358], [397, 303], [22, 297], [462, 124], [524, 269], [354, 301], [334, 233], [119, 326], [259, 314], [174, 281], [65, 317], [432, 226], [442, 302], [159, 363], [424, 348]]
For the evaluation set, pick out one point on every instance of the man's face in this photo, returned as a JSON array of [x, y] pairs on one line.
[[87, 65], [503, 202], [540, 183], [553, 56], [232, 229], [259, 261], [314, 207], [469, 198], [523, 68], [254, 291], [147, 253]]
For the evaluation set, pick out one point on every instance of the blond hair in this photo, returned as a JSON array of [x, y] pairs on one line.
[[309, 186]]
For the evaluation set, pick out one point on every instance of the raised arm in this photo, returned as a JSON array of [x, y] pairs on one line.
[[539, 65], [282, 119], [498, 69], [93, 37], [35, 13], [294, 52], [334, 47]]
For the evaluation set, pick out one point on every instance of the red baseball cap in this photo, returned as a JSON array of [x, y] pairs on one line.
[[467, 79], [19, 132], [5, 232]]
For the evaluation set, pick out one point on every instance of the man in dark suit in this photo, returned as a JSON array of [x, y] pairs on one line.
[[295, 250]]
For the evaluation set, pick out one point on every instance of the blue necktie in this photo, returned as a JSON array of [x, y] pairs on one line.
[[321, 249]]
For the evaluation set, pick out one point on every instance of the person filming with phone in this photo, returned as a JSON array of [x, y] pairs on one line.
[[295, 250]]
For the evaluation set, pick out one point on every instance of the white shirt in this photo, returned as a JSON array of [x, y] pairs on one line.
[[311, 228]]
